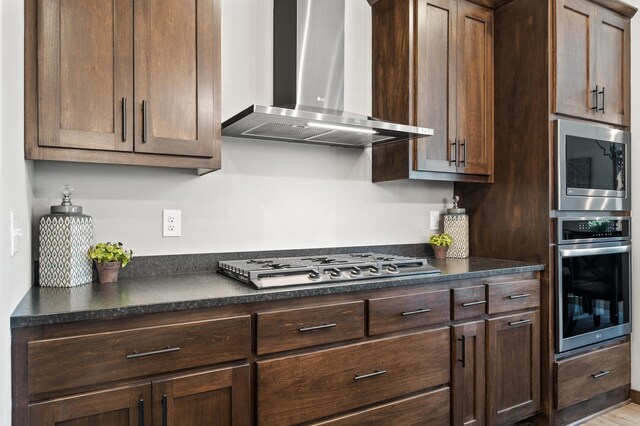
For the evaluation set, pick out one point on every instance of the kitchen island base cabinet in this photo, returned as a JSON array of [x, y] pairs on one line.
[[513, 367], [305, 387]]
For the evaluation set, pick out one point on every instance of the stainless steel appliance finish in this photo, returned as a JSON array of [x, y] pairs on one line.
[[593, 171], [593, 280], [326, 269], [308, 85]]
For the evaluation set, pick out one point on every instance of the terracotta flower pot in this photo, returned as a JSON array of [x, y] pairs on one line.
[[108, 271], [440, 252]]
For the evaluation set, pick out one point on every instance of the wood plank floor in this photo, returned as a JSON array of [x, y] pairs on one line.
[[629, 415]]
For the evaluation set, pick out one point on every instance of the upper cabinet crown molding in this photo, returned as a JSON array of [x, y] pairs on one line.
[[97, 94]]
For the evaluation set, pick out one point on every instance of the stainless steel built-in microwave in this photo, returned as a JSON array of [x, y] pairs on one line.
[[592, 167]]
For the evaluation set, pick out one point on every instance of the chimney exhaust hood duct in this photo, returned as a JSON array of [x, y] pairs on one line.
[[308, 85]]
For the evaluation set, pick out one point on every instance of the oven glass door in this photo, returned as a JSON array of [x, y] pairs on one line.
[[594, 282], [595, 167]]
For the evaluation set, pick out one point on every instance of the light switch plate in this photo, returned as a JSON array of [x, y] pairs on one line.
[[16, 232], [171, 223], [434, 220]]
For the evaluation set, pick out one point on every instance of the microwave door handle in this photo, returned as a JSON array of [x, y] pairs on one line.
[[595, 251]]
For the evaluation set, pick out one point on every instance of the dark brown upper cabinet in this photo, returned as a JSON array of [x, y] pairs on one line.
[[592, 72], [433, 67], [97, 94]]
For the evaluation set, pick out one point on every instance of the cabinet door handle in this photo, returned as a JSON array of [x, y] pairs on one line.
[[453, 150], [478, 302], [164, 410], [124, 119], [464, 152], [464, 351], [144, 121], [416, 312], [168, 349], [141, 412], [595, 108], [601, 374], [520, 296], [514, 323], [368, 376], [316, 327], [602, 107]]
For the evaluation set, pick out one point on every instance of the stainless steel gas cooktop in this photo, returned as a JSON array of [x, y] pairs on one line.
[[290, 271]]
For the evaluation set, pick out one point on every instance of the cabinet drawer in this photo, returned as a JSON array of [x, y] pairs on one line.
[[389, 314], [69, 362], [592, 374], [505, 297], [301, 328], [469, 302], [332, 381], [431, 409]]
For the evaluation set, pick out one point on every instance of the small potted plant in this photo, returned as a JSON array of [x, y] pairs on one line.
[[109, 258], [440, 244]]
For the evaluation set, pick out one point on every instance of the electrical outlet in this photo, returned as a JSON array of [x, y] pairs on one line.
[[171, 223], [16, 232], [434, 222]]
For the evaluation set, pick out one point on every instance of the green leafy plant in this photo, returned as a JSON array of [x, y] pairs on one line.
[[443, 240], [110, 252]]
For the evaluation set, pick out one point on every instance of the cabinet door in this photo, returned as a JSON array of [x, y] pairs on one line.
[[436, 85], [85, 74], [219, 397], [513, 373], [613, 67], [475, 89], [121, 406], [468, 374], [575, 76], [177, 94]]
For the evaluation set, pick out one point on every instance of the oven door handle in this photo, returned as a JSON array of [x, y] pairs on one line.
[[595, 251]]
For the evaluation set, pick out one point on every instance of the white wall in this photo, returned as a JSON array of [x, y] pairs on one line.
[[15, 188], [268, 195], [635, 188]]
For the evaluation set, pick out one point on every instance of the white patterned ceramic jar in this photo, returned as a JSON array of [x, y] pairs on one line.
[[456, 224], [65, 238]]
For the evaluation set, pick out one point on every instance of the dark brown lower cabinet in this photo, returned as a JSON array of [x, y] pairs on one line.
[[120, 406], [513, 367], [431, 408], [213, 397], [218, 397], [468, 374]]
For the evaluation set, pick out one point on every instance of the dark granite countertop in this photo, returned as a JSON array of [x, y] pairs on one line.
[[166, 293]]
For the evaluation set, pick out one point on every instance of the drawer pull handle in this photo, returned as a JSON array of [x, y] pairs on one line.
[[479, 302], [464, 351], [519, 296], [417, 311], [514, 323], [601, 374], [141, 412], [317, 327], [368, 376], [168, 349]]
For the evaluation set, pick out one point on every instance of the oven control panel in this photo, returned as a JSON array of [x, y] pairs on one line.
[[589, 229]]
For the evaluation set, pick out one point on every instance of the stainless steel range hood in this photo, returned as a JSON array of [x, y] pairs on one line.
[[308, 85]]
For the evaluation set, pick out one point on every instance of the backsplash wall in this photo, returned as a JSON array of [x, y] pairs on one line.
[[268, 195]]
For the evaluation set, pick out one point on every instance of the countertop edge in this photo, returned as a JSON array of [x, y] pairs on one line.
[[258, 296]]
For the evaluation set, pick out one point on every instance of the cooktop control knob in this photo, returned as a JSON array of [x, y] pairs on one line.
[[355, 271], [335, 273], [374, 270], [314, 276], [393, 269]]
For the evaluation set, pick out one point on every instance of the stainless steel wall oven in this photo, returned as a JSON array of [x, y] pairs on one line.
[[593, 280], [592, 167]]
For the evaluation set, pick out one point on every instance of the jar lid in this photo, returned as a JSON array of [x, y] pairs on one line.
[[455, 209], [66, 207]]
